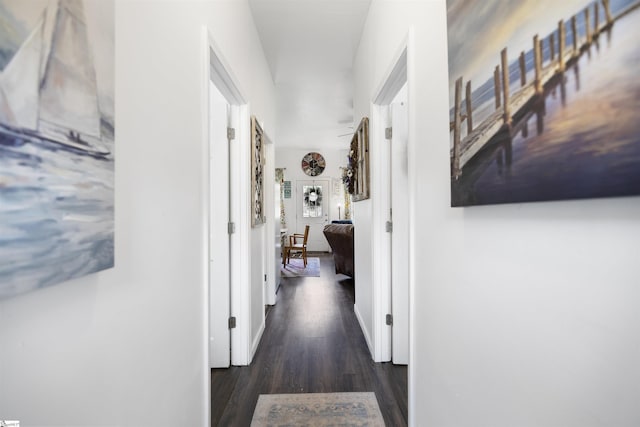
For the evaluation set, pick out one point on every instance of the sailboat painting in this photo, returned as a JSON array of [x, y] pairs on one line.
[[56, 141]]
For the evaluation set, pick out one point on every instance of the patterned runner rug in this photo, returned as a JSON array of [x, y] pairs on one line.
[[317, 409], [295, 268]]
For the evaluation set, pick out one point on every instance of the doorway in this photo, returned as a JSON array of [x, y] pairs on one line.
[[219, 243], [399, 218], [226, 115], [390, 139], [392, 233]]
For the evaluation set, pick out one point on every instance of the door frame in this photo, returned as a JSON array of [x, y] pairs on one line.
[[399, 72], [220, 118], [214, 68]]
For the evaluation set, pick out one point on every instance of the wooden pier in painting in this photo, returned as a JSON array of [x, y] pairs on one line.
[[508, 105]]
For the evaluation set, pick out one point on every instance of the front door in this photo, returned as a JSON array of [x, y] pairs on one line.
[[312, 197]]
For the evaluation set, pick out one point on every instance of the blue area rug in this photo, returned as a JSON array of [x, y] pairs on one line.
[[295, 268], [317, 409]]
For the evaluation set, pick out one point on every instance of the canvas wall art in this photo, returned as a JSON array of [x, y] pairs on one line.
[[56, 141], [543, 99], [257, 173]]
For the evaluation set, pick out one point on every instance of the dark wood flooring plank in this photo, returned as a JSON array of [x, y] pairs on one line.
[[312, 344]]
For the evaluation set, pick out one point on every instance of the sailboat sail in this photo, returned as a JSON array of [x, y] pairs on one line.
[[6, 114], [68, 92], [49, 87], [50, 16], [21, 79]]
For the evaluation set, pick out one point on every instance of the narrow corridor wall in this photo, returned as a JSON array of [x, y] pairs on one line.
[[127, 346], [524, 314]]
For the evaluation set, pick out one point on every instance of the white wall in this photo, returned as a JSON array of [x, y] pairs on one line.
[[127, 346], [525, 314], [257, 286], [291, 159]]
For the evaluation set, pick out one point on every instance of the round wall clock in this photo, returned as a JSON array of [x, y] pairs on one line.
[[313, 164]]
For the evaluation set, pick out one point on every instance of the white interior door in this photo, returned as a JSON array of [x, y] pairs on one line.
[[400, 234], [312, 200], [219, 272]]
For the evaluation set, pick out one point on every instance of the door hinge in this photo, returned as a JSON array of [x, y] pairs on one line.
[[231, 227], [231, 134], [388, 133], [232, 322], [389, 319], [265, 277], [388, 226]]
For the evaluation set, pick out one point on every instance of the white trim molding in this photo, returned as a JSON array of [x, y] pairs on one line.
[[216, 69]]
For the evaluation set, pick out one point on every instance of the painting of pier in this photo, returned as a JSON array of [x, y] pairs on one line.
[[56, 142], [543, 100]]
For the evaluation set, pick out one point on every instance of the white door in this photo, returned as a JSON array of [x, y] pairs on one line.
[[219, 274], [312, 199], [400, 233]]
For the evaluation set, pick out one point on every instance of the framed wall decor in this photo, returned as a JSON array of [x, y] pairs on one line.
[[287, 189], [57, 149], [357, 173], [543, 99], [257, 173]]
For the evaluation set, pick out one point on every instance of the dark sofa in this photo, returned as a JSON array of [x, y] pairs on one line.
[[340, 238]]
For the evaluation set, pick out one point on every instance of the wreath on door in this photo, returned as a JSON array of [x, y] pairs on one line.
[[313, 196]]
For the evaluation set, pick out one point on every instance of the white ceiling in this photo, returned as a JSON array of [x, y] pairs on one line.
[[310, 45]]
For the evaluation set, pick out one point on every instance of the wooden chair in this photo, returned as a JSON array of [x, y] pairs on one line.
[[297, 244]]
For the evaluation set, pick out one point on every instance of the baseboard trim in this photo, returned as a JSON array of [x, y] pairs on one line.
[[365, 332]]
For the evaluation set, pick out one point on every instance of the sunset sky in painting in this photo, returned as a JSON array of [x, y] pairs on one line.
[[479, 29]]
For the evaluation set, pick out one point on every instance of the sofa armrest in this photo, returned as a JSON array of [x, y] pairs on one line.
[[340, 239]]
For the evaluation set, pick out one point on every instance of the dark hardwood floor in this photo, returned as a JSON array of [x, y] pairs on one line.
[[312, 344]]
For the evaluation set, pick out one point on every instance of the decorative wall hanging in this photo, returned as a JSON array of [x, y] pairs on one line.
[[347, 204], [56, 142], [257, 173], [356, 176], [347, 196], [280, 180], [337, 186], [287, 189], [543, 100], [313, 164]]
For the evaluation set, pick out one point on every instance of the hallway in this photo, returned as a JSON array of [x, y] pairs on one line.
[[312, 344]]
